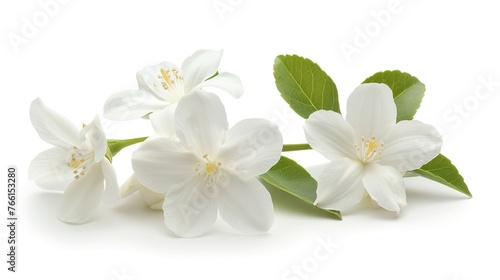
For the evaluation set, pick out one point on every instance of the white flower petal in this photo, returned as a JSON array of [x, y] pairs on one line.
[[200, 66], [340, 186], [411, 145], [153, 199], [150, 80], [111, 192], [201, 122], [94, 134], [130, 186], [225, 81], [251, 148], [50, 171], [385, 185], [246, 205], [371, 109], [83, 197], [161, 163], [189, 210], [330, 135], [131, 104], [51, 126], [163, 121]]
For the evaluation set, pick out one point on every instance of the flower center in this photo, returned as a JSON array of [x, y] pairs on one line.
[[78, 160], [210, 172], [172, 82], [369, 150]]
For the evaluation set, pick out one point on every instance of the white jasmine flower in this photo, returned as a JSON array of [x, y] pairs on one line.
[[211, 169], [76, 165], [162, 86], [368, 150]]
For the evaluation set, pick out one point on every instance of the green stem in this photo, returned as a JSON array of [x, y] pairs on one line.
[[115, 145], [295, 147]]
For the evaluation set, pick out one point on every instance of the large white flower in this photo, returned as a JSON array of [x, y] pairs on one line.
[[211, 169], [368, 150], [76, 165], [162, 86]]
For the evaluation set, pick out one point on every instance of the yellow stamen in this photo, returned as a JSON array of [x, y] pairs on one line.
[[78, 161], [74, 163], [372, 145], [211, 171], [165, 74], [211, 167], [168, 77]]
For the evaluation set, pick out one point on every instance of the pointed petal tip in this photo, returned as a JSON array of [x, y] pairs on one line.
[[37, 106], [37, 102], [392, 208], [51, 126]]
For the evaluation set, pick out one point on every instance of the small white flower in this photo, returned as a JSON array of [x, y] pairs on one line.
[[162, 86], [76, 165], [368, 150], [211, 169]]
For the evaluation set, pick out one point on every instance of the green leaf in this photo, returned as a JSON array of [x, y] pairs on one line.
[[407, 90], [304, 86], [290, 177], [441, 170]]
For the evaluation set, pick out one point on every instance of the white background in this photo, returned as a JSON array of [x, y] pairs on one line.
[[87, 50]]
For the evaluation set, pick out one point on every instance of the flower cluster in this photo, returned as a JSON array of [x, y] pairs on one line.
[[196, 168]]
